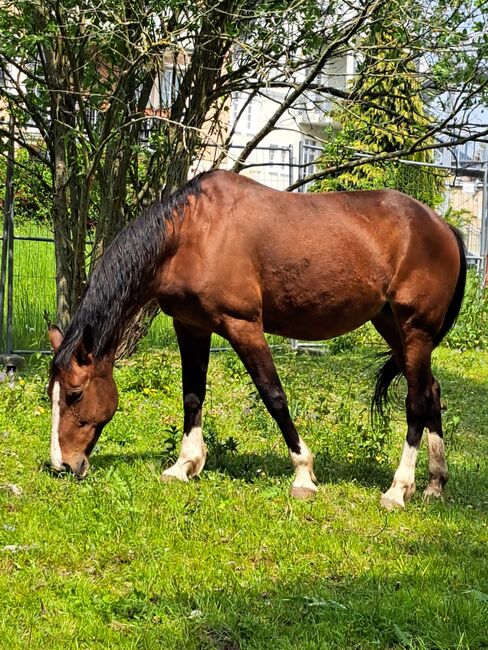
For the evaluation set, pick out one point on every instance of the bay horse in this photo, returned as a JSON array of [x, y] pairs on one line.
[[225, 254]]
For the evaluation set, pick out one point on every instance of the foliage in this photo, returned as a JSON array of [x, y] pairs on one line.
[[32, 191], [426, 184], [471, 330], [459, 218], [87, 79], [229, 561], [389, 115]]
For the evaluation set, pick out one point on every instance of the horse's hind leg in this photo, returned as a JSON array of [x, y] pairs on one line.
[[385, 324], [248, 341], [423, 410], [194, 351], [438, 473]]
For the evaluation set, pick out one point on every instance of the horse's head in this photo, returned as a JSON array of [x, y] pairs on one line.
[[84, 399]]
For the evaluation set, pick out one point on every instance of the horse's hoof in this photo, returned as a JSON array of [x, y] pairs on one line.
[[392, 502], [303, 493], [433, 492], [174, 473]]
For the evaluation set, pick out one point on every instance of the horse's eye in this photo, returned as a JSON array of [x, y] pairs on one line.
[[73, 397]]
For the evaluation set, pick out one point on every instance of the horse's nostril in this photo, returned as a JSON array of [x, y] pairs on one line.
[[82, 468]]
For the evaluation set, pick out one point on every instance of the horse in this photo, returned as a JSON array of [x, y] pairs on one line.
[[228, 255]]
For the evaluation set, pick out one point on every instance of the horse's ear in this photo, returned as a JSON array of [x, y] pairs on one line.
[[84, 349], [55, 336]]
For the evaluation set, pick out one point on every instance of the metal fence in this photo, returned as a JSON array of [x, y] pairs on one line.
[[27, 282]]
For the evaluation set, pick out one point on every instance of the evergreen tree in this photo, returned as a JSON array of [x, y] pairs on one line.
[[388, 116]]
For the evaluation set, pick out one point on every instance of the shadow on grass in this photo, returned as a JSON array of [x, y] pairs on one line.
[[250, 467], [104, 461], [334, 610]]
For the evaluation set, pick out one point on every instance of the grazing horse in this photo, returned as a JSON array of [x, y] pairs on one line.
[[225, 254]]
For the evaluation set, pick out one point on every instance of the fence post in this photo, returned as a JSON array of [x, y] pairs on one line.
[[484, 227], [3, 270], [6, 238], [10, 360], [290, 165]]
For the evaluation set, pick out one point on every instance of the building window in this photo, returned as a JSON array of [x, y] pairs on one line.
[[169, 83], [311, 151], [278, 157], [244, 122]]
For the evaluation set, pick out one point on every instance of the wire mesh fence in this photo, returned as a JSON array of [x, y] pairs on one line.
[[34, 285], [29, 290]]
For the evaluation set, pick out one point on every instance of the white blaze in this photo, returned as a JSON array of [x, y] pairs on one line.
[[56, 456]]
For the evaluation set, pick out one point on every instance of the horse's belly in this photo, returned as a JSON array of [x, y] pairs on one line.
[[315, 317]]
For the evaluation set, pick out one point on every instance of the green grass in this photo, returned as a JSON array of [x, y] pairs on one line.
[[229, 561], [34, 287]]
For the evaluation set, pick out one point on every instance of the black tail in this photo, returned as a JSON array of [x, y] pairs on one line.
[[390, 370], [457, 299]]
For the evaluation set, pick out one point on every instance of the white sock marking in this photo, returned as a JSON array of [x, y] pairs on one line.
[[405, 474], [303, 464], [56, 456], [437, 456], [192, 456], [403, 485]]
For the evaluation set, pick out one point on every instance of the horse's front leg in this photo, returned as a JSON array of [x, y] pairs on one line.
[[194, 351], [247, 339]]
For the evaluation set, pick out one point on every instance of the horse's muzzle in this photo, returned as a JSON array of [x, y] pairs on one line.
[[78, 468]]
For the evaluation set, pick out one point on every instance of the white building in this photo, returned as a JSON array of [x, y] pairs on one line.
[[282, 156]]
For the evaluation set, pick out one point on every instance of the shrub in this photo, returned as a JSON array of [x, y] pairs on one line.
[[471, 329]]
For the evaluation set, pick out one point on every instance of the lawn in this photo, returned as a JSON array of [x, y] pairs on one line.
[[229, 561]]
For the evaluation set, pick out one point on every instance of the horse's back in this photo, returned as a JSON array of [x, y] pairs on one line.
[[344, 221], [311, 265]]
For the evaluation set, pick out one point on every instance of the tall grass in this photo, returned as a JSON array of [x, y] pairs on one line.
[[34, 286]]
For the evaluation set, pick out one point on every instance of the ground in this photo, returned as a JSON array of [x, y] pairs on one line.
[[230, 561]]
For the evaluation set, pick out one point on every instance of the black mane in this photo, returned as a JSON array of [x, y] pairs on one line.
[[125, 269]]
